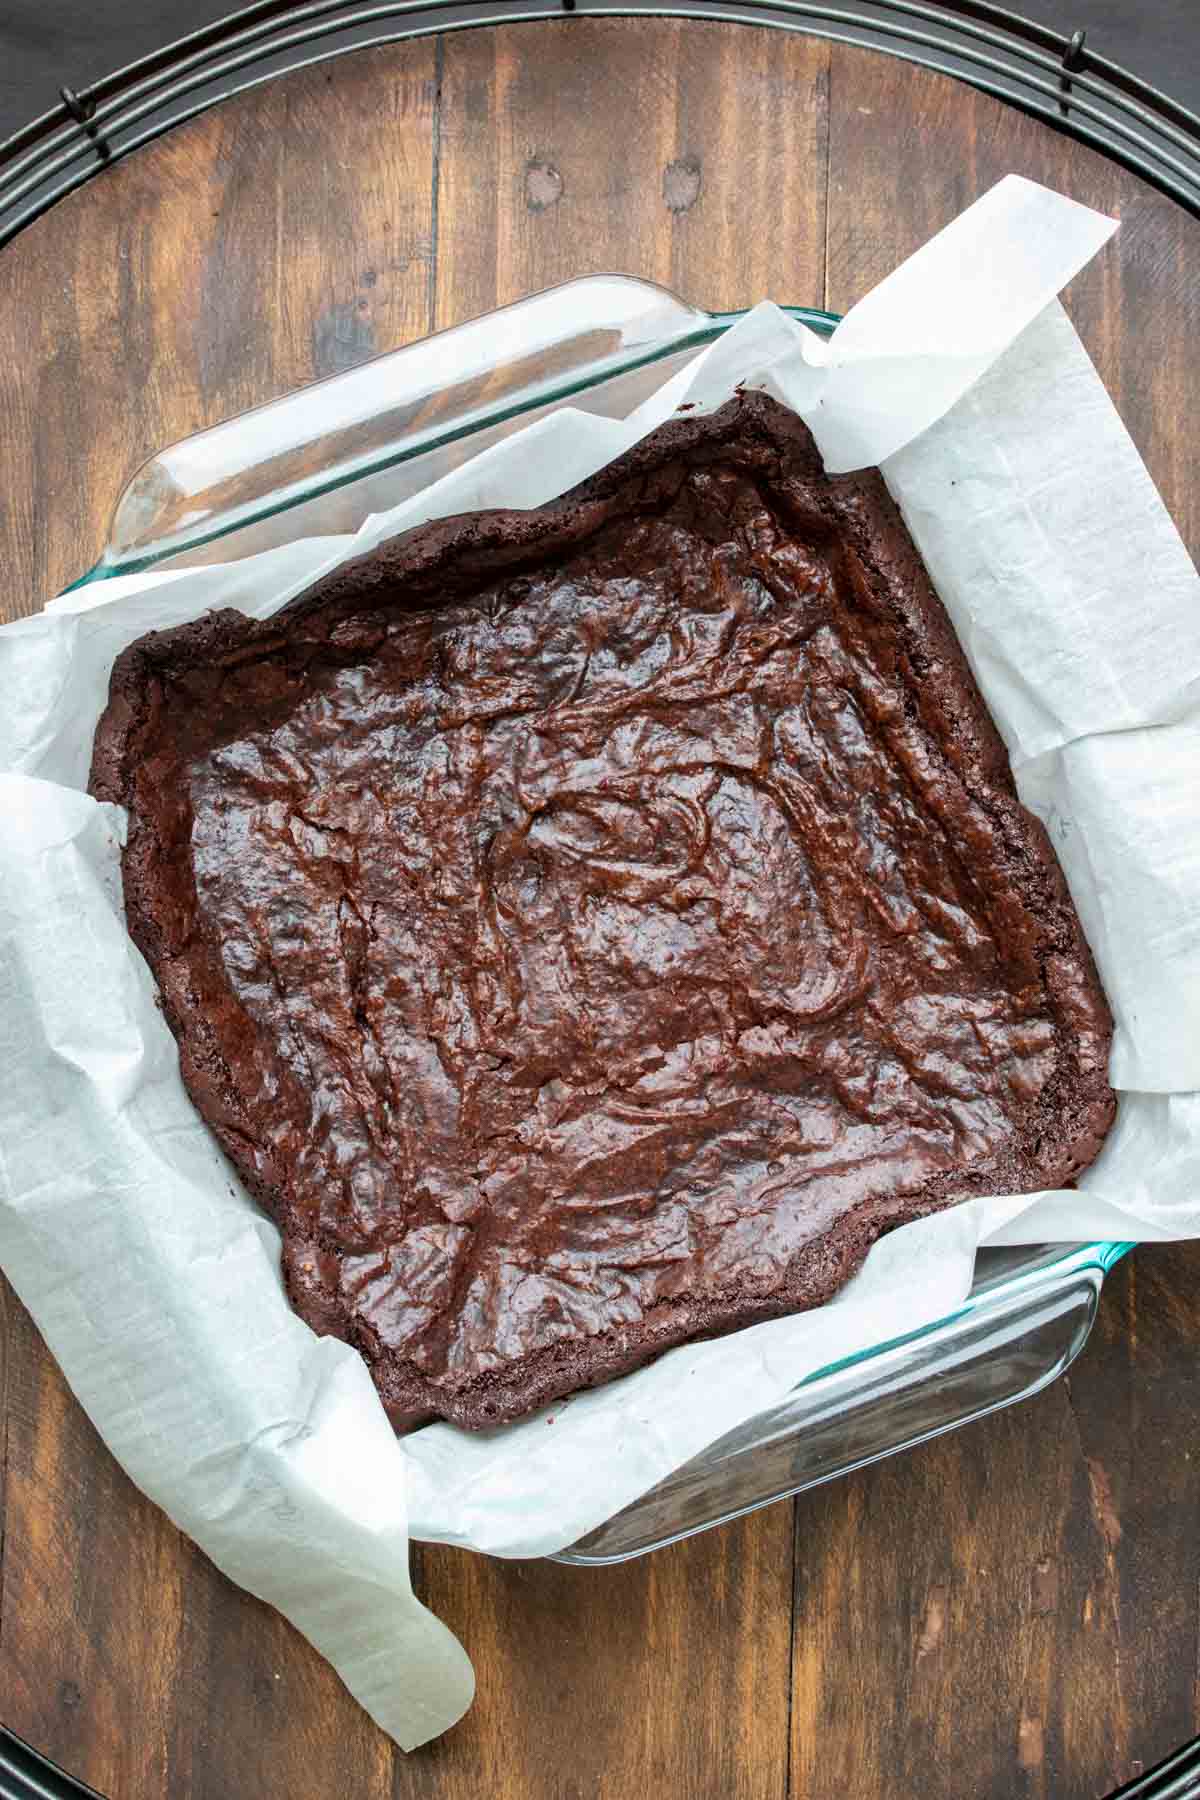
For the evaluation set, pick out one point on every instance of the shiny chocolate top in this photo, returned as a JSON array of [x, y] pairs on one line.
[[585, 943]]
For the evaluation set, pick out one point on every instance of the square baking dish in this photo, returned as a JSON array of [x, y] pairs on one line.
[[319, 462]]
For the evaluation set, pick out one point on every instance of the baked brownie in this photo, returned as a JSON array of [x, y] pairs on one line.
[[589, 929]]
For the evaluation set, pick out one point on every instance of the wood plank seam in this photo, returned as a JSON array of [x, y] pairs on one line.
[[1108, 1531], [828, 99], [824, 98], [958, 1628], [439, 72], [794, 1540]]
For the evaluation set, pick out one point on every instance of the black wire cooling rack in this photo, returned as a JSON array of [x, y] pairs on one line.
[[1058, 79], [24, 1775]]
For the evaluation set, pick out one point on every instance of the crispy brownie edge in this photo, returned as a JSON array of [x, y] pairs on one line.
[[456, 554]]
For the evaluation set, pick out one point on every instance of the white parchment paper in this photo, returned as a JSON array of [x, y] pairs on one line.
[[155, 1280]]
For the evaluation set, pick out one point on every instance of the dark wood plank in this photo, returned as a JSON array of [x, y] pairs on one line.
[[276, 239], [1013, 1625], [122, 1651], [668, 1675], [81, 1609], [127, 1657], [1013, 1609], [938, 1621], [692, 154], [908, 150], [7, 1307], [1009, 1611], [1134, 1404]]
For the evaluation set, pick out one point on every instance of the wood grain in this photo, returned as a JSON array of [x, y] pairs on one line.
[[669, 1675], [1134, 1404], [960, 1598], [1010, 1611], [1013, 1609], [131, 1660], [908, 150], [271, 241], [692, 154], [997, 1646]]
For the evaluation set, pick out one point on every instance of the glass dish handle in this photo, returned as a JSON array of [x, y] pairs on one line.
[[390, 408], [1015, 1335]]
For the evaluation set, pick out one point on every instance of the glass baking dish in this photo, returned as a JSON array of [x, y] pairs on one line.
[[320, 461]]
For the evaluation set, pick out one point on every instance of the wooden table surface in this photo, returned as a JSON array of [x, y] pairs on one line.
[[1012, 1611]]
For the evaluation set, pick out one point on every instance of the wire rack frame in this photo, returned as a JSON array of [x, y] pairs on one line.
[[1055, 78]]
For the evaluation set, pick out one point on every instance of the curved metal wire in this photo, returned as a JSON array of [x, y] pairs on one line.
[[1053, 77], [24, 1775]]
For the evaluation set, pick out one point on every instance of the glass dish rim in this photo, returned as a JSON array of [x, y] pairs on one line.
[[555, 394], [1059, 1261], [1101, 1253]]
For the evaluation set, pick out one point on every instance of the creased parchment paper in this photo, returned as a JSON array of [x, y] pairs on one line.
[[155, 1280]]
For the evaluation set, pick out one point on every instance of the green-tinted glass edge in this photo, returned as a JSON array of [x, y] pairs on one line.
[[302, 492], [1102, 1253]]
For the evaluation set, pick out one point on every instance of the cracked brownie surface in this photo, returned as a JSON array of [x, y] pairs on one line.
[[589, 929]]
